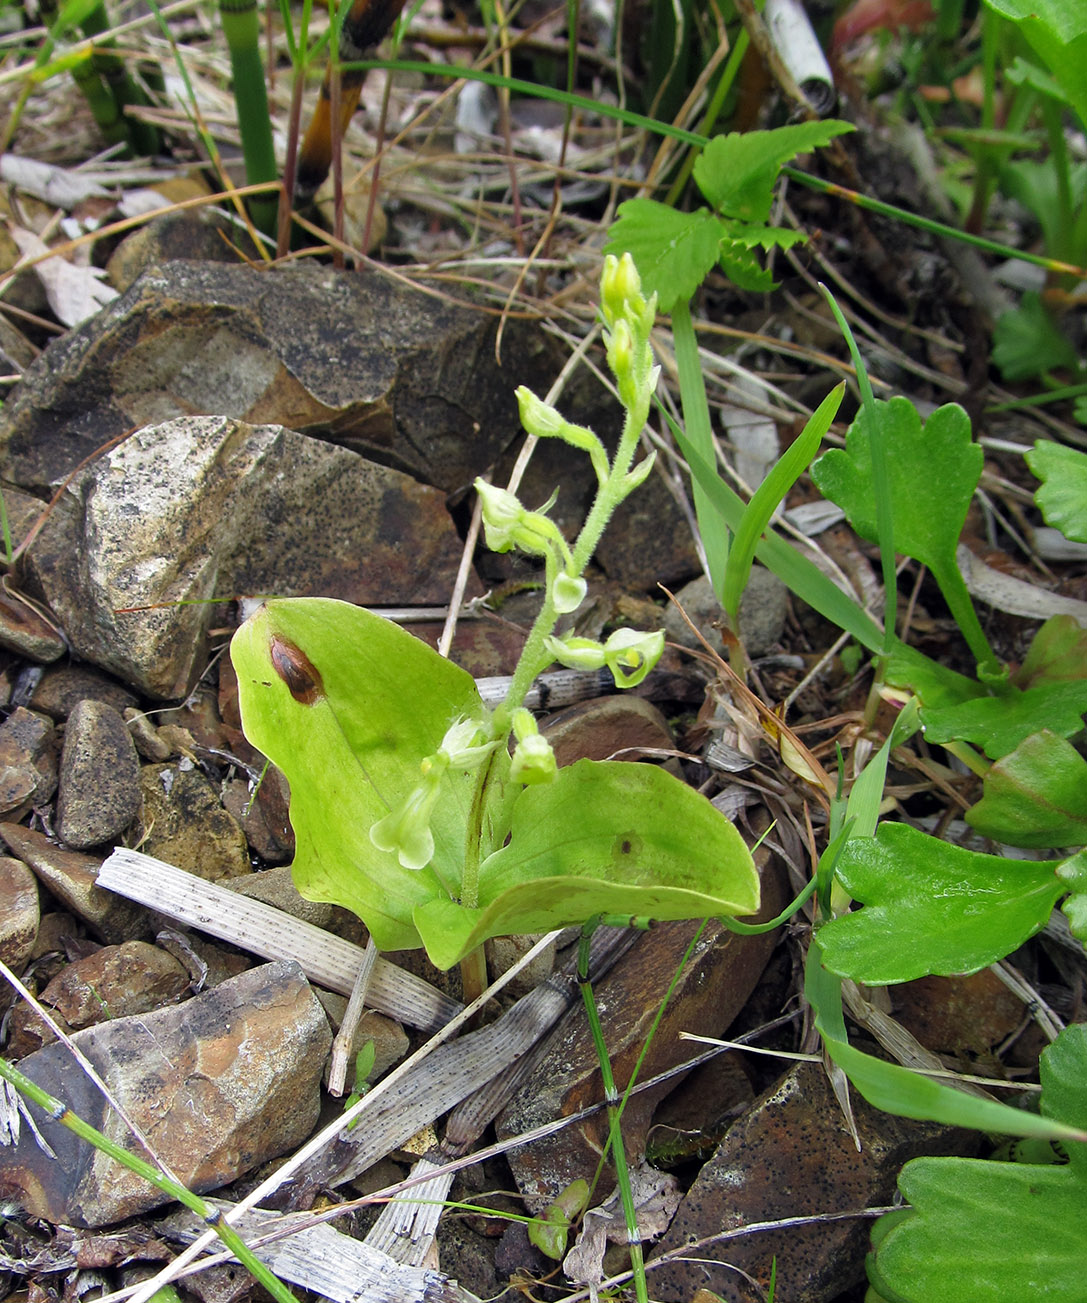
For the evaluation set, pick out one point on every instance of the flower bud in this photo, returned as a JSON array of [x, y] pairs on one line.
[[568, 592], [539, 418], [620, 288], [620, 351], [533, 761]]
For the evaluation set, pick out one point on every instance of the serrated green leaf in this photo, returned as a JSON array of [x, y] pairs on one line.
[[999, 724], [927, 516], [737, 172], [1036, 796], [932, 908], [353, 753], [603, 837], [744, 270], [673, 251], [1062, 498], [1027, 342]]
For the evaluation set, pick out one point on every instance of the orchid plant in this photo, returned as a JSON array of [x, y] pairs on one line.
[[442, 823]]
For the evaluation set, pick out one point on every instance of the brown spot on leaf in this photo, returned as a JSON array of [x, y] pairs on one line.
[[297, 671]]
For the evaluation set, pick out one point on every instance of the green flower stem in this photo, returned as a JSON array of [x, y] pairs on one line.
[[59, 1112], [241, 26], [614, 1107]]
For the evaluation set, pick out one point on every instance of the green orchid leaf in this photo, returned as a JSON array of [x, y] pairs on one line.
[[348, 705], [999, 724], [932, 908], [1062, 499], [1073, 873], [1036, 796], [991, 1231], [737, 172], [673, 251], [927, 518], [602, 837], [1057, 654]]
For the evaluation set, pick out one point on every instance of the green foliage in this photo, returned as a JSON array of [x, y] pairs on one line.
[[993, 1231], [1027, 342], [1057, 32], [408, 807], [999, 724], [1063, 495], [550, 1232], [912, 1094], [931, 907], [928, 535], [1036, 796], [736, 174]]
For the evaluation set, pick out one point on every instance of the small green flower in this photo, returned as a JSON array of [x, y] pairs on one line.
[[465, 745], [507, 524], [406, 833], [630, 655], [502, 515]]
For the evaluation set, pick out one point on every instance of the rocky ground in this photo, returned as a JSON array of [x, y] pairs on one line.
[[220, 432]]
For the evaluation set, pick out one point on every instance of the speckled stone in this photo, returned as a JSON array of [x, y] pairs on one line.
[[99, 792], [219, 1085], [791, 1155]]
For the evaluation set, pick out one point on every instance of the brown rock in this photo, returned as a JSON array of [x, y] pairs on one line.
[[219, 1085], [62, 687], [200, 506], [263, 815], [71, 878], [204, 237], [394, 374], [99, 792], [276, 887], [183, 822], [712, 988], [28, 762], [115, 982], [965, 1016], [24, 631], [19, 913], [607, 727], [791, 1156]]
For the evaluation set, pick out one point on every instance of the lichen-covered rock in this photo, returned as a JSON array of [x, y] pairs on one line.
[[218, 1085]]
